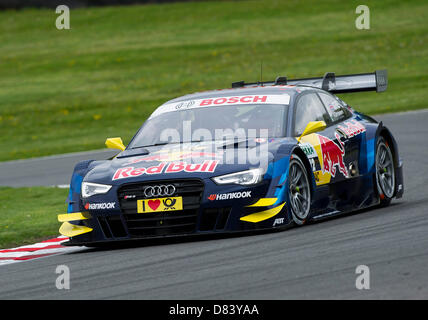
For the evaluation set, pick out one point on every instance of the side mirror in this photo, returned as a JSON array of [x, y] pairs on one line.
[[311, 127], [115, 143]]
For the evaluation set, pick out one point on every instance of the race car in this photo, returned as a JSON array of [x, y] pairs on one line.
[[257, 156]]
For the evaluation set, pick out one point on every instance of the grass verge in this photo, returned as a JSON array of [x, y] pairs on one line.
[[67, 90], [29, 215]]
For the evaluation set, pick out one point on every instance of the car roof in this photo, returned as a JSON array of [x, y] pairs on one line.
[[291, 90], [277, 94]]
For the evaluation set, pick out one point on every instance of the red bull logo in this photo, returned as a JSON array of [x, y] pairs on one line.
[[332, 156], [166, 167], [175, 156], [353, 128]]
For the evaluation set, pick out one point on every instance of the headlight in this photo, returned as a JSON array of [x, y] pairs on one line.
[[244, 178], [90, 189]]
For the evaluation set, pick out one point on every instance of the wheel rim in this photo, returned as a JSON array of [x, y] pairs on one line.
[[385, 170], [299, 191]]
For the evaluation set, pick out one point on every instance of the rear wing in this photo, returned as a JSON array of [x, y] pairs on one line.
[[376, 81]]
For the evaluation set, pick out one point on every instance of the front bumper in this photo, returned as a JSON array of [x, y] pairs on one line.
[[203, 213]]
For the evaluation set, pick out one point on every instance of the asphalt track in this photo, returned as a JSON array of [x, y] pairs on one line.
[[317, 261], [46, 171]]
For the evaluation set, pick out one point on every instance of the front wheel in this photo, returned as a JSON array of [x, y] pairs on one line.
[[385, 172], [299, 191]]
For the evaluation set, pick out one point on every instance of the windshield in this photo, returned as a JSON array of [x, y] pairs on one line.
[[213, 123]]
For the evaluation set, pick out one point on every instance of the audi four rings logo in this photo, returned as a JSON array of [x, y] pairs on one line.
[[161, 190]]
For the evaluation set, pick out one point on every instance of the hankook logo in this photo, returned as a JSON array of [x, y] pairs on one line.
[[100, 206], [231, 195]]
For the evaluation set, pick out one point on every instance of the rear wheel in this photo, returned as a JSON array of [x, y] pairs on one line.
[[299, 191], [385, 172]]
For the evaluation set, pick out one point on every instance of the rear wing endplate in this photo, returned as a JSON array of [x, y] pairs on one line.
[[376, 81]]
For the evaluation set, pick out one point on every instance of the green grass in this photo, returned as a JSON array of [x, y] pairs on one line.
[[65, 91], [28, 215]]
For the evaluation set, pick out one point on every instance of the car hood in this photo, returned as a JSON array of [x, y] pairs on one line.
[[188, 160]]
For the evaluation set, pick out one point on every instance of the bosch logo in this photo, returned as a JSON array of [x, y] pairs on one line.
[[159, 191]]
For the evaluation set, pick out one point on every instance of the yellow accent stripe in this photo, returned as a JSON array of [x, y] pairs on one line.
[[264, 202], [73, 216], [71, 230], [263, 215]]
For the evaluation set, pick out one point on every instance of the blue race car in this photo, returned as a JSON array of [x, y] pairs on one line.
[[258, 156]]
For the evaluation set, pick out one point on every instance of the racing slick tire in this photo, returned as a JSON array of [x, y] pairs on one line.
[[299, 190], [385, 172]]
